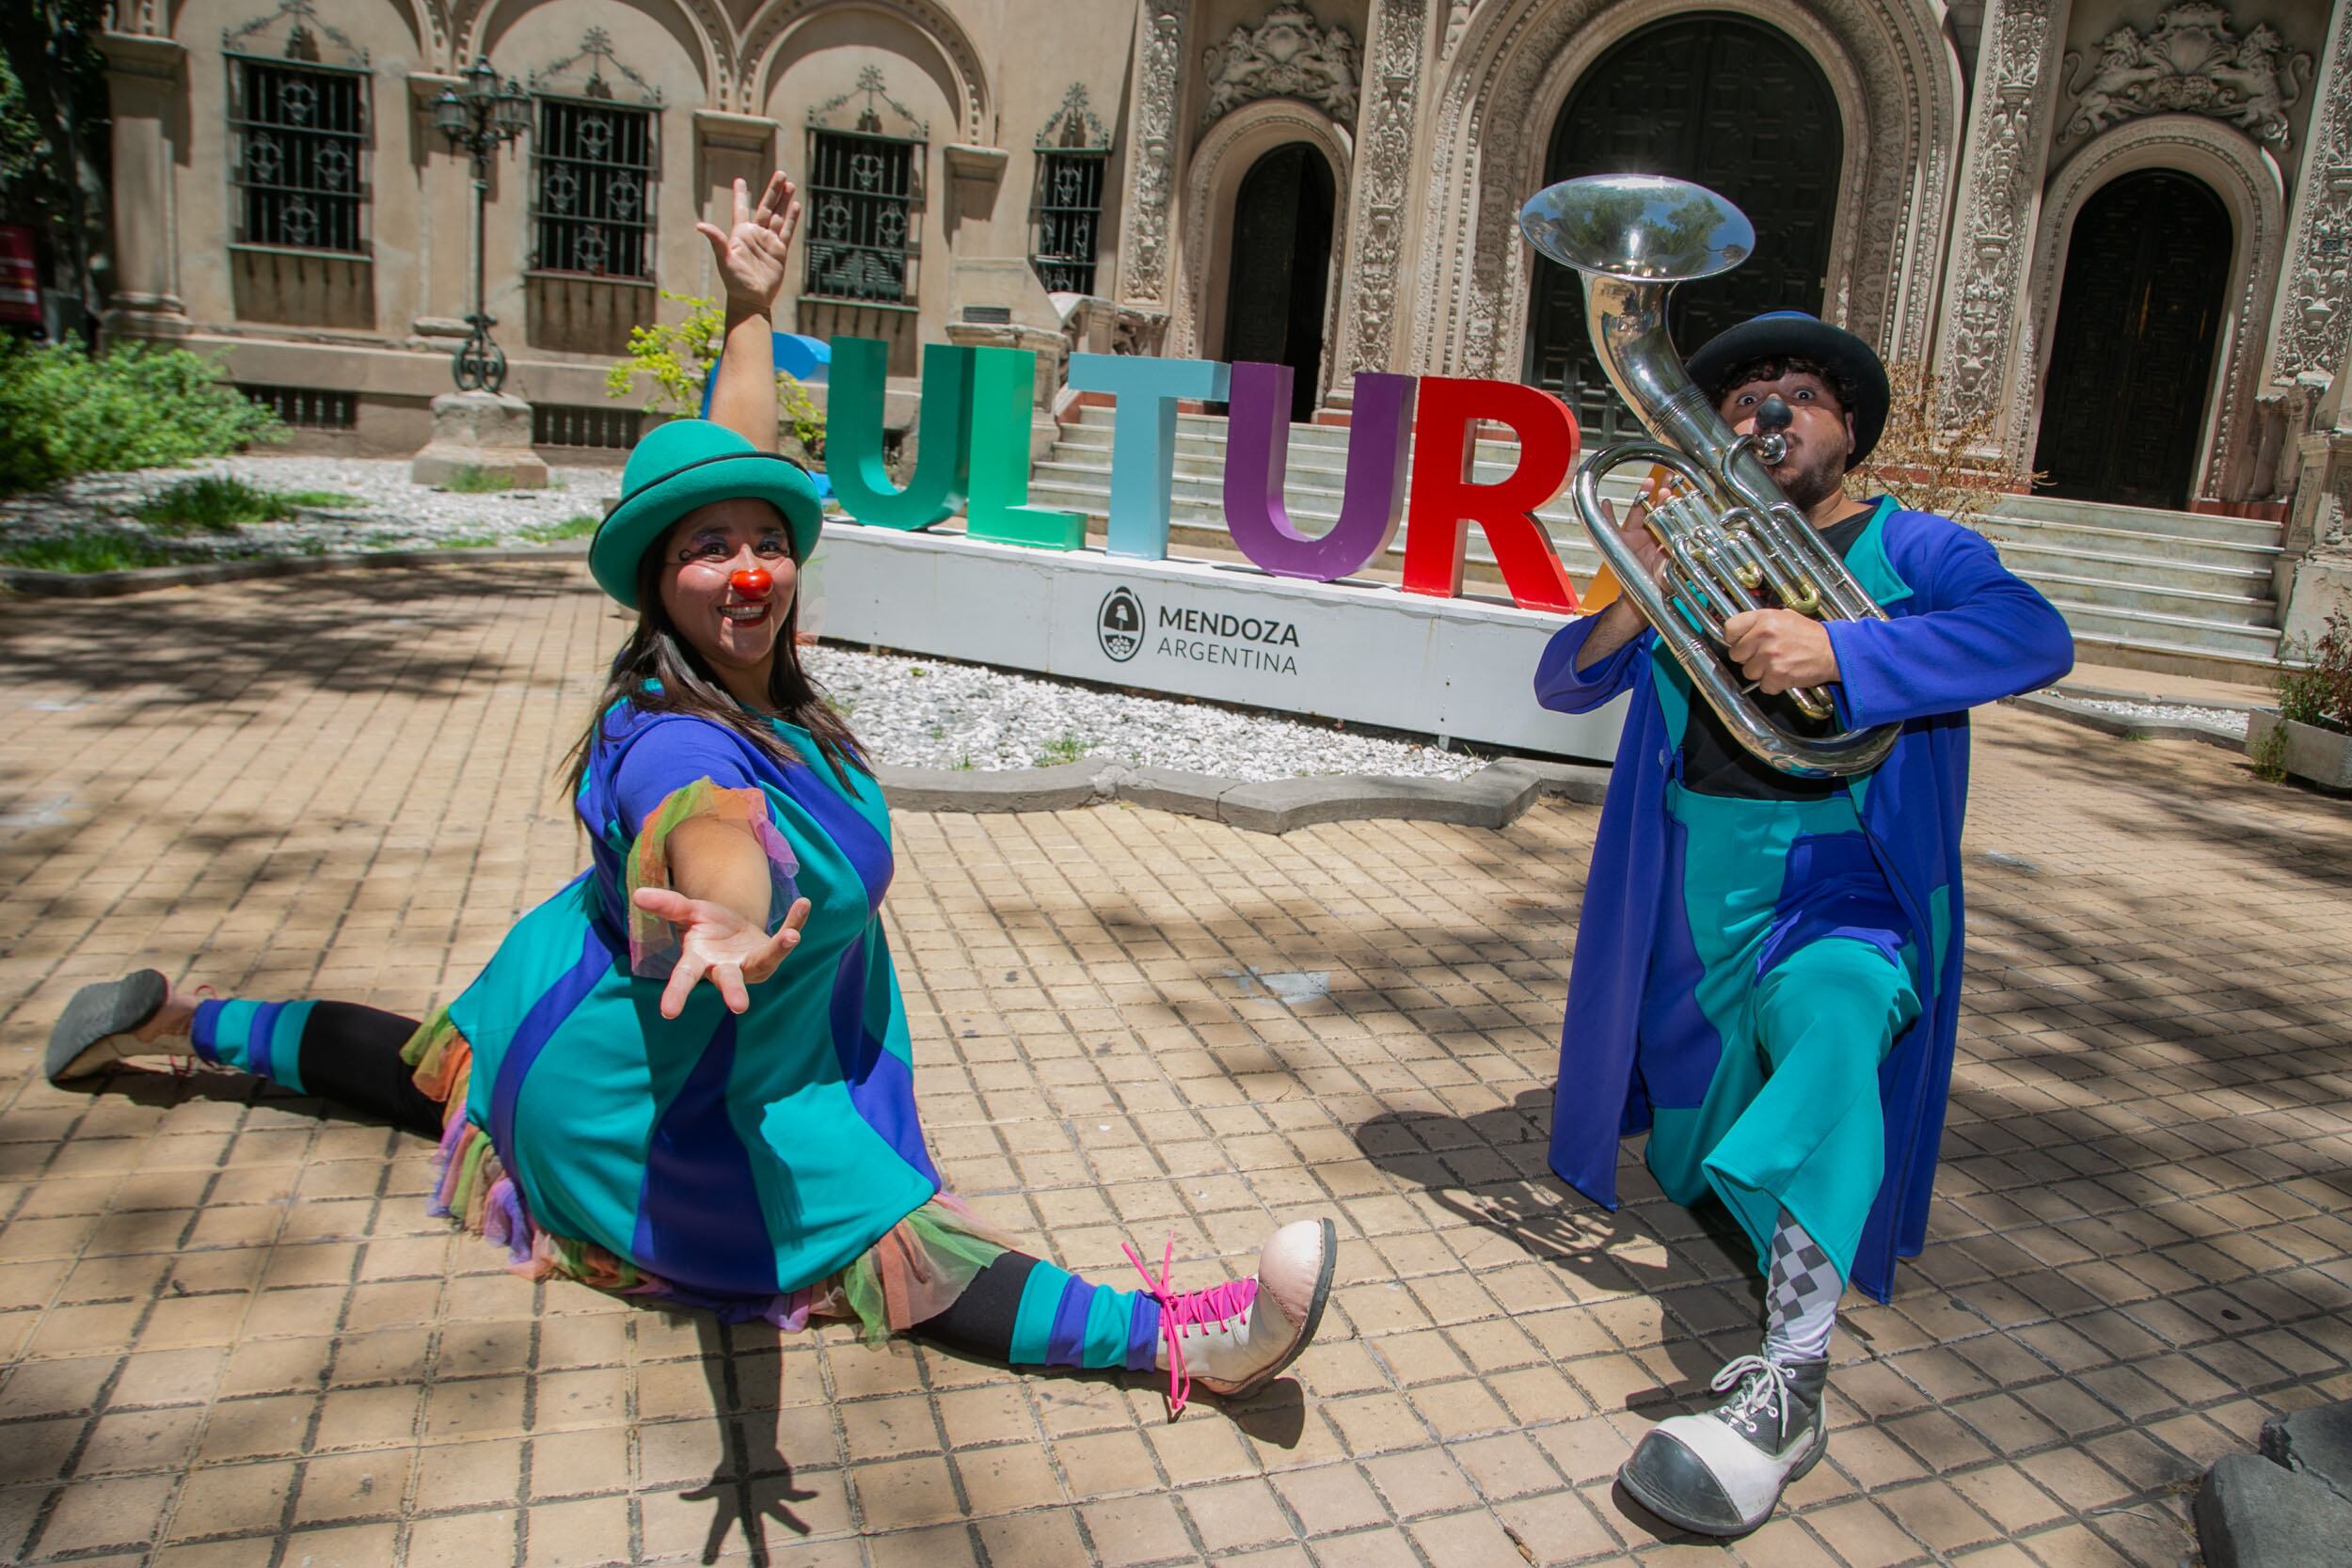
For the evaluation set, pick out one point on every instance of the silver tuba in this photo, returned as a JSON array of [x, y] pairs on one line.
[[1733, 541]]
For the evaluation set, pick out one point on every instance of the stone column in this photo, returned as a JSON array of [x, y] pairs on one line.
[[2311, 322], [1982, 349], [2315, 574], [147, 80], [1372, 276], [1161, 46]]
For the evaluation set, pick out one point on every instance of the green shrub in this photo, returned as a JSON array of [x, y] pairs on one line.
[[2320, 692], [138, 407], [677, 358], [217, 503]]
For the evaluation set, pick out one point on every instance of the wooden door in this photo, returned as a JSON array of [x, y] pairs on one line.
[[2130, 357], [1277, 281]]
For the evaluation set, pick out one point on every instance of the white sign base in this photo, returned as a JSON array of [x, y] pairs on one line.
[[1366, 653]]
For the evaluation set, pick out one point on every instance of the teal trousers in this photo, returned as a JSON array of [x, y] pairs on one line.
[[1780, 978]]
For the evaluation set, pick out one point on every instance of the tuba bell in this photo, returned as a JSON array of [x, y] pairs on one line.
[[1733, 541]]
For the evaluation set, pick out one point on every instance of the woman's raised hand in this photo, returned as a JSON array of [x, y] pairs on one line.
[[752, 256], [718, 945]]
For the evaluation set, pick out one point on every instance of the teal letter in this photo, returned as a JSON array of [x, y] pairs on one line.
[[853, 434], [1143, 438], [1004, 382]]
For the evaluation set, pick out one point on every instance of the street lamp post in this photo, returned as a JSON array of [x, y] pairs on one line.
[[479, 118]]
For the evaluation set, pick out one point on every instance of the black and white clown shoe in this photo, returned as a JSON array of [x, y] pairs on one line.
[[1722, 1472]]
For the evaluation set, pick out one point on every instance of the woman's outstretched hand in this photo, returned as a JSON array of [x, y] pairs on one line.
[[717, 943], [752, 256]]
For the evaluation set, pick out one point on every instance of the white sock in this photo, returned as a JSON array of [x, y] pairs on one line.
[[1800, 1298]]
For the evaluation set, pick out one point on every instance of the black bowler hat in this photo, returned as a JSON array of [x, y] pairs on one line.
[[1794, 335]]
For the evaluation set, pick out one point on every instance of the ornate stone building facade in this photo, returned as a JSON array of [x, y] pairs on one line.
[[2119, 230]]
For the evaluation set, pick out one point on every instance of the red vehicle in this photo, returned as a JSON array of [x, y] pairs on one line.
[[20, 283]]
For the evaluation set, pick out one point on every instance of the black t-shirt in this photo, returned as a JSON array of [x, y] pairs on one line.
[[1714, 763]]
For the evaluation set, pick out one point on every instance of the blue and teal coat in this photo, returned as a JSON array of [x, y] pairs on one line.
[[1962, 630]]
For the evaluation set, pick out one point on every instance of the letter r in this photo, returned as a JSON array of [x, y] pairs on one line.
[[1445, 446]]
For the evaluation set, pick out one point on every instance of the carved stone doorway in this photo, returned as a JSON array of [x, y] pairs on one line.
[[1281, 266], [2131, 358], [1740, 108]]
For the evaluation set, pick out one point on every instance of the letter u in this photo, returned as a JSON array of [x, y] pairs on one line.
[[1257, 454]]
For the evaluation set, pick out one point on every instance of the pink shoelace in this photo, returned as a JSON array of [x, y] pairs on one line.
[[176, 1067], [1192, 1309]]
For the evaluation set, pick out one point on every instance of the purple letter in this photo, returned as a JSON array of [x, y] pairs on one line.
[[1257, 452]]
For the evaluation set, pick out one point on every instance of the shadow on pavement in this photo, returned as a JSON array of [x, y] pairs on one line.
[[346, 632], [753, 1481]]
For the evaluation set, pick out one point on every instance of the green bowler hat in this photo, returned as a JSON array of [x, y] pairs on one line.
[[683, 465]]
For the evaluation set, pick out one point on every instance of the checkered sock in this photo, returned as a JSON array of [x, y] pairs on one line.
[[1800, 1298]]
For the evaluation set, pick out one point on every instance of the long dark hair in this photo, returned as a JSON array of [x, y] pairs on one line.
[[656, 652]]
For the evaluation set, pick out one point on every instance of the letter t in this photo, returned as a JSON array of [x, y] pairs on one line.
[[1143, 439]]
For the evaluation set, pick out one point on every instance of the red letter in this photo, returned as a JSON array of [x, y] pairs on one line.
[[1445, 443]]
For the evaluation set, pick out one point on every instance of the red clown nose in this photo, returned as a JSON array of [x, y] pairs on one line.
[[753, 582]]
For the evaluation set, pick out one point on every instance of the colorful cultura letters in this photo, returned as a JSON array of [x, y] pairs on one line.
[[973, 450]]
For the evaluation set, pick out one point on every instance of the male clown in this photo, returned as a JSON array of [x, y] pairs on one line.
[[1767, 969]]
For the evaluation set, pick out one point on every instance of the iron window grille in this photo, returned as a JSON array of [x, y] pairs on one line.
[[1070, 208], [1073, 152], [592, 188], [299, 170], [306, 407], [573, 424], [864, 193]]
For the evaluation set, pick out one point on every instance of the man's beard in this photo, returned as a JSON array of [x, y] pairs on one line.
[[1809, 479]]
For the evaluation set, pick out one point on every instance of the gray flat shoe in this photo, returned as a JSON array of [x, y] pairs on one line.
[[110, 1008]]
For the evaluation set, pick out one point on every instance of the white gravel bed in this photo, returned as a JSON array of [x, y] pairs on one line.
[[923, 713], [2230, 719], [386, 513]]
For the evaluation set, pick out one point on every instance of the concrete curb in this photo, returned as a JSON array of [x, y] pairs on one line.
[[149, 580], [1491, 798], [2127, 727]]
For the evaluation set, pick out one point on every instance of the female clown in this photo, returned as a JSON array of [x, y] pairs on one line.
[[687, 1075]]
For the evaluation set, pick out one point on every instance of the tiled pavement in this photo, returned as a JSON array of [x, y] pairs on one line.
[[234, 1337]]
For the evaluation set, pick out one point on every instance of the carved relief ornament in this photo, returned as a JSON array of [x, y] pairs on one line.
[[1386, 159], [1151, 165], [1286, 55], [2315, 294], [1996, 207], [2190, 62]]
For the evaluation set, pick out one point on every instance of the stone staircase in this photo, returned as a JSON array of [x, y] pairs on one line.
[[2168, 590]]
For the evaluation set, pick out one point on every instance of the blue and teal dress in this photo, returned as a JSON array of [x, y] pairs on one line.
[[771, 1163]]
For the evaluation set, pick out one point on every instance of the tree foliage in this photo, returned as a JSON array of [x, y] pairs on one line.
[[53, 135]]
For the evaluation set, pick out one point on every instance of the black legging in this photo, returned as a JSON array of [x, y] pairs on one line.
[[352, 1053]]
